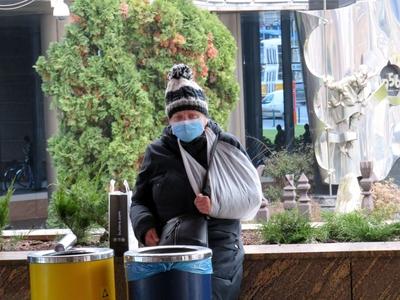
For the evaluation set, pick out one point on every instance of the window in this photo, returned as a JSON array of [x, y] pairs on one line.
[[271, 76]]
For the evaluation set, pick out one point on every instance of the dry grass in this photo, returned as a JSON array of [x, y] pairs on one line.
[[386, 195]]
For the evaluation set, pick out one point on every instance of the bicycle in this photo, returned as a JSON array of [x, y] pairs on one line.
[[21, 174], [257, 150]]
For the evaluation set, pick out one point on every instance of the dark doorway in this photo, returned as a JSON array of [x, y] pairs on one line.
[[21, 101]]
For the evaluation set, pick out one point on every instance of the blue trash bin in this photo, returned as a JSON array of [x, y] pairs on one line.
[[169, 272]]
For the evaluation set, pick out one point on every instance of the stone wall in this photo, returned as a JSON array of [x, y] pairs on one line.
[[303, 271], [14, 276], [322, 271], [29, 210]]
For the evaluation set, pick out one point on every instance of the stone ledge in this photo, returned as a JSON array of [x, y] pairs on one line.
[[323, 250], [36, 234], [15, 257], [28, 209], [29, 196], [259, 252], [300, 271]]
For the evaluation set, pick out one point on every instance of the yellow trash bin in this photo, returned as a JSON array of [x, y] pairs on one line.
[[78, 274]]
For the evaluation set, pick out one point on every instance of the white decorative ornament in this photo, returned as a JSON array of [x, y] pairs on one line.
[[61, 10]]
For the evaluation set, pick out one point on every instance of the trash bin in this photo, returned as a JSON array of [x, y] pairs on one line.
[[78, 273], [169, 272]]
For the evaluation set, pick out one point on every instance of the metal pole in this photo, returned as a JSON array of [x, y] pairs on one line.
[[298, 114], [273, 118], [287, 78], [324, 49], [250, 28]]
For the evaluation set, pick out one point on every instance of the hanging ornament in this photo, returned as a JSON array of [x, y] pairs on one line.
[[390, 75]]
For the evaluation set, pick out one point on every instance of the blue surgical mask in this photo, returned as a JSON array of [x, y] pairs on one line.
[[188, 130]]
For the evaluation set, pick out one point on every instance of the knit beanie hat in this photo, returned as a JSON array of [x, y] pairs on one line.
[[183, 93]]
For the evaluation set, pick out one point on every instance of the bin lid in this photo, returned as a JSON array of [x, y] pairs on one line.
[[70, 256], [167, 254]]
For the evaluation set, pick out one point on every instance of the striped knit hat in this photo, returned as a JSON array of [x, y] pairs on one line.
[[183, 93]]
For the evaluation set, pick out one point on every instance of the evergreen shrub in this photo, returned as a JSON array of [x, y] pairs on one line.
[[357, 226], [107, 79], [290, 227], [282, 163], [4, 207], [81, 205]]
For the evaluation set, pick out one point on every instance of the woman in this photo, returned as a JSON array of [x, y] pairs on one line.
[[163, 188]]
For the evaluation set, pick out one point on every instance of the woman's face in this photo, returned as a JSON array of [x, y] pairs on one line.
[[186, 115]]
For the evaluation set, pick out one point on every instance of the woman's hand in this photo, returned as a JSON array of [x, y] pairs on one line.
[[151, 237], [203, 204]]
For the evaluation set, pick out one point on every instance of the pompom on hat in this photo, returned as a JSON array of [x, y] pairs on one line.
[[183, 93]]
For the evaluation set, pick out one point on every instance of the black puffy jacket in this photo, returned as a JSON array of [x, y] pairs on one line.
[[163, 191]]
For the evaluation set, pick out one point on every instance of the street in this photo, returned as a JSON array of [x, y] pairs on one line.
[[302, 118]]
